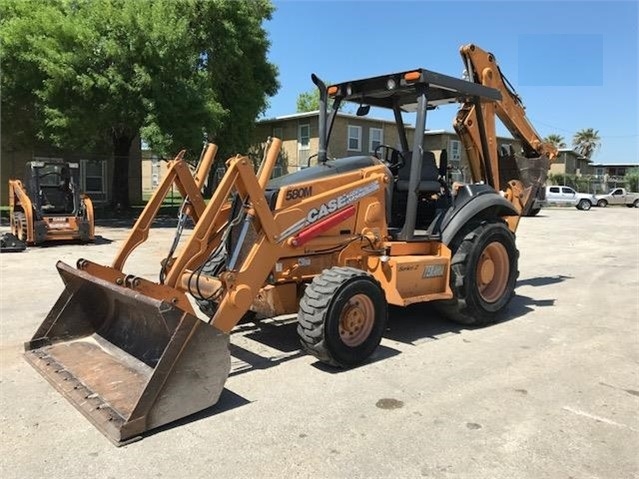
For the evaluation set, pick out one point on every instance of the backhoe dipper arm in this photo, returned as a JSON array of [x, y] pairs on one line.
[[475, 125]]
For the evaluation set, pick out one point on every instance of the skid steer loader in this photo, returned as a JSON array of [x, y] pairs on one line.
[[48, 205], [335, 243]]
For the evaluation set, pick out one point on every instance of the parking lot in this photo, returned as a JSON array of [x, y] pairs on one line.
[[550, 392]]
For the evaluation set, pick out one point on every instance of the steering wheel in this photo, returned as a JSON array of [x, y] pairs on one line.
[[392, 157]]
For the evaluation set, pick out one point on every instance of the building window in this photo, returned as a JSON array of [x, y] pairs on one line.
[[278, 132], [376, 138], [303, 145], [304, 137], [93, 179], [155, 172], [354, 138], [454, 147]]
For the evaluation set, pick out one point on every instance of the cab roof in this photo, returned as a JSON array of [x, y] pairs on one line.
[[383, 91]]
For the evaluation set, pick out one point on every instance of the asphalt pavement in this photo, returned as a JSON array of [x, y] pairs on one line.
[[550, 392]]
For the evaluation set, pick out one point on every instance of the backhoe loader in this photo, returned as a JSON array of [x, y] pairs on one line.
[[335, 243]]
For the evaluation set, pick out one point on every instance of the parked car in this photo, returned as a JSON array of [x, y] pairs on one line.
[[565, 195], [618, 196]]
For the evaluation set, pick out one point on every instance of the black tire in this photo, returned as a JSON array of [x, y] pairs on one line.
[[491, 244], [20, 222], [636, 203], [342, 316], [534, 212], [584, 205], [602, 203]]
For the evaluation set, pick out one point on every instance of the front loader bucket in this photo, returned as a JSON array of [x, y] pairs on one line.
[[128, 362]]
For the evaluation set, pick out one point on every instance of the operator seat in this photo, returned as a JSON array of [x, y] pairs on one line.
[[431, 190], [429, 178]]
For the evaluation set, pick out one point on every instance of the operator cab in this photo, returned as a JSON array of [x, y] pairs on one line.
[[420, 191], [54, 186]]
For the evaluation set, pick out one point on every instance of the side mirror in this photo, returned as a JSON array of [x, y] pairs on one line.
[[363, 110]]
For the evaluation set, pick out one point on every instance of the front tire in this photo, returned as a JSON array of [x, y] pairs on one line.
[[342, 316], [602, 203], [483, 273], [584, 205], [534, 212]]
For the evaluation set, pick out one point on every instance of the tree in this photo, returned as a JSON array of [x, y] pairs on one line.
[[586, 142], [632, 179], [83, 72], [555, 140], [256, 154], [308, 101]]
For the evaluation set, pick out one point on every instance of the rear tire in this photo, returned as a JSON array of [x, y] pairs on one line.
[[534, 212], [584, 205], [342, 316], [602, 203], [483, 273]]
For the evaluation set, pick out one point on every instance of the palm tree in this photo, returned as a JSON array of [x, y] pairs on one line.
[[555, 140], [586, 142]]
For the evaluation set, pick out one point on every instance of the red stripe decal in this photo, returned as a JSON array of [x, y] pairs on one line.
[[323, 225]]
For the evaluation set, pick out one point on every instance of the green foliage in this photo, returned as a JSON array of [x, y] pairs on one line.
[[555, 140], [586, 142], [308, 101], [632, 179], [581, 183], [256, 154], [83, 72]]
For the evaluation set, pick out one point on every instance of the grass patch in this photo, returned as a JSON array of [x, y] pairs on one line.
[[173, 198]]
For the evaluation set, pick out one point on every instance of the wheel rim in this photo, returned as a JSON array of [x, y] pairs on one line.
[[356, 320], [492, 272]]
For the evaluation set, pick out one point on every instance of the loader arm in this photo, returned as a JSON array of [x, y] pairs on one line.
[[17, 191], [266, 235], [189, 187], [475, 125]]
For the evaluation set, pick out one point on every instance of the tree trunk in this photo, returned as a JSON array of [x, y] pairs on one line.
[[120, 187]]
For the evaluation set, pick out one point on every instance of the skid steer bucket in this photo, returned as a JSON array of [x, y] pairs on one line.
[[128, 362]]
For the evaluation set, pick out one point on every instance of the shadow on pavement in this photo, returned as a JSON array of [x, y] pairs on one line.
[[543, 280], [405, 325], [228, 401], [158, 222]]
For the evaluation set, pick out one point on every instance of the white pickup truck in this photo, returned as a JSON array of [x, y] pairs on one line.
[[618, 196], [564, 195]]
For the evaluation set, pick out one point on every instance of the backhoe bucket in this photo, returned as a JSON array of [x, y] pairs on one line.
[[128, 362]]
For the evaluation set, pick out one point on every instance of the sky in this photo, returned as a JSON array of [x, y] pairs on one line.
[[573, 63]]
